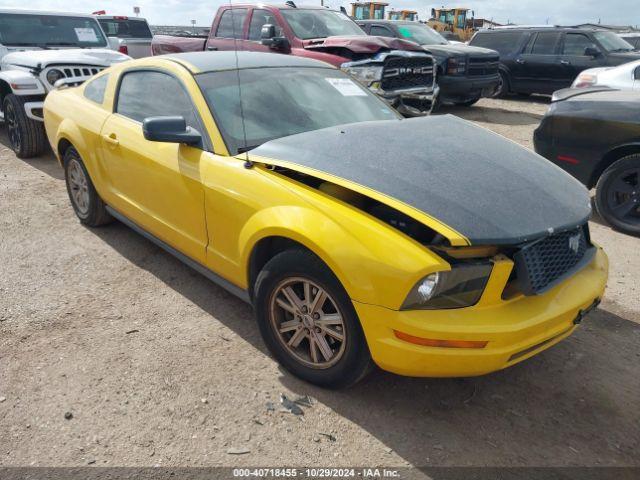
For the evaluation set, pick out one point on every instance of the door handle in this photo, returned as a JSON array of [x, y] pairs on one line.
[[111, 139], [520, 61], [212, 49], [565, 62]]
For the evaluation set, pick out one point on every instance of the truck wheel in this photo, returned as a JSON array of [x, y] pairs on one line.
[[504, 86], [27, 136], [308, 321], [86, 202], [618, 195], [468, 103]]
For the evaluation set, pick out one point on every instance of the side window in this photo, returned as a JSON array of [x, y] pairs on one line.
[[94, 90], [138, 97], [259, 18], [380, 31], [545, 43], [575, 43], [231, 23], [503, 42]]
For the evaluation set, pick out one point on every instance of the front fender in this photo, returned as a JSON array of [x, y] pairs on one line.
[[22, 83], [316, 232]]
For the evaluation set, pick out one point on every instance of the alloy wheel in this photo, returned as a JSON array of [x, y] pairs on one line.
[[78, 186], [13, 128], [623, 196], [307, 322]]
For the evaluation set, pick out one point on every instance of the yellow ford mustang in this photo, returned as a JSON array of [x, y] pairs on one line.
[[429, 247]]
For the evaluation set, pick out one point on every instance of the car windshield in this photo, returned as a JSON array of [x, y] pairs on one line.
[[277, 102], [28, 30], [421, 34], [308, 24], [612, 42], [125, 28]]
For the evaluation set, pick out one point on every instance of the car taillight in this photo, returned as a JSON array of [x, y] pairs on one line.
[[123, 49]]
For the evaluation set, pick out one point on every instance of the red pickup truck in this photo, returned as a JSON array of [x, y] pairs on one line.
[[399, 71]]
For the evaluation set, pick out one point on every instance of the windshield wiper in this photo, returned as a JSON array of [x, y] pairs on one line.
[[246, 149]]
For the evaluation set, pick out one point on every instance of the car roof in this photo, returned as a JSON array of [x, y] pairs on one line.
[[540, 29], [44, 12], [630, 34], [396, 22], [201, 62], [119, 17], [281, 6]]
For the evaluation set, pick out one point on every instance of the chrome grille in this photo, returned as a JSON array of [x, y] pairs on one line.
[[542, 264], [483, 66], [407, 72]]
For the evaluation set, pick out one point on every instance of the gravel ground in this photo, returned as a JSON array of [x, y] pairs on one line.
[[114, 353]]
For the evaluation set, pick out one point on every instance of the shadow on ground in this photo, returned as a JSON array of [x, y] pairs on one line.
[[576, 404], [46, 162]]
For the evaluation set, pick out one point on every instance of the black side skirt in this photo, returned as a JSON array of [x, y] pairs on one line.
[[201, 269]]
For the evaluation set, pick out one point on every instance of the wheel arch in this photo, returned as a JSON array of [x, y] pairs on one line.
[[610, 158]]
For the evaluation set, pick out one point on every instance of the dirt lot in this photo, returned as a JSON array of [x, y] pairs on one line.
[[157, 366]]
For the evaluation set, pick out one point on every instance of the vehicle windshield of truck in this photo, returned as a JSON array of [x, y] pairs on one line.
[[49, 31], [307, 24], [277, 102], [612, 42], [125, 28], [421, 34]]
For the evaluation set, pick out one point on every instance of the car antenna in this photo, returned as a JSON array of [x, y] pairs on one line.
[[247, 163]]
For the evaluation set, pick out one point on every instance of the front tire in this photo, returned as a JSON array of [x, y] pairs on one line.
[[86, 202], [618, 195], [26, 136], [504, 86], [308, 321]]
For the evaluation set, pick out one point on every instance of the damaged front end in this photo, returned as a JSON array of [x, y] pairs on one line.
[[405, 79]]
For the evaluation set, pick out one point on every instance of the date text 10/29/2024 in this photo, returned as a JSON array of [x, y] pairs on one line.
[[317, 472]]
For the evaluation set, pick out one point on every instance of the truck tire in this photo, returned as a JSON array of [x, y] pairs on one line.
[[26, 136], [308, 321], [504, 86], [618, 195]]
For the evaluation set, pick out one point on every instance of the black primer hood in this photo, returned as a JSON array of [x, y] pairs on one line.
[[487, 188]]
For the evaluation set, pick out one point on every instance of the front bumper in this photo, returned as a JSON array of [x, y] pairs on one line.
[[515, 329], [413, 103], [461, 89], [34, 110]]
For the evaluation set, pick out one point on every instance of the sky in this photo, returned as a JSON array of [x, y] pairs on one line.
[[531, 12]]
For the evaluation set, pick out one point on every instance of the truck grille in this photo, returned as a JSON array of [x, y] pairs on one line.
[[483, 66], [76, 75], [407, 72], [542, 264]]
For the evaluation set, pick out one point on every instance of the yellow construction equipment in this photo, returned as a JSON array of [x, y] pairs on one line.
[[410, 15], [452, 20], [368, 10]]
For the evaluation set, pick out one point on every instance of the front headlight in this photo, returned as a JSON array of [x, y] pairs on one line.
[[460, 287], [585, 80], [54, 75], [456, 66], [364, 74]]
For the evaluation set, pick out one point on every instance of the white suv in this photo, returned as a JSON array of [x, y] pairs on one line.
[[37, 51]]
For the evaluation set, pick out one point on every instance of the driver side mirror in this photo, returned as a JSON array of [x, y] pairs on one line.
[[636, 74], [170, 130], [269, 39], [592, 52]]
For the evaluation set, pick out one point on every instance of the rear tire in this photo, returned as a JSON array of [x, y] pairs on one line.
[[86, 202], [291, 318], [504, 86], [618, 195], [26, 136]]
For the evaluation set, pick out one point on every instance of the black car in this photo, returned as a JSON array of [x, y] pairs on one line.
[[594, 134], [465, 74], [546, 59]]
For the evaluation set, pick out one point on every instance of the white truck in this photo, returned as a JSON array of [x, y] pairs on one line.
[[40, 50], [129, 35]]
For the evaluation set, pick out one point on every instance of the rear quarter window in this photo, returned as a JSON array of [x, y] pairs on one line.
[[94, 89], [503, 42]]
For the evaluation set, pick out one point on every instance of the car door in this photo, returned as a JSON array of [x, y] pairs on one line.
[[156, 185], [573, 59], [259, 18], [230, 31], [536, 69]]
